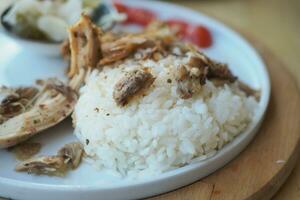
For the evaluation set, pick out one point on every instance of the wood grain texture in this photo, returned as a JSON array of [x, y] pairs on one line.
[[259, 171]]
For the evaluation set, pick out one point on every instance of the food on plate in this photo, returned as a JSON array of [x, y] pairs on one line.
[[131, 84], [85, 45], [143, 103], [49, 165], [197, 34], [72, 154], [68, 157], [15, 101], [153, 103], [25, 150], [249, 91], [134, 15], [49, 20], [25, 112]]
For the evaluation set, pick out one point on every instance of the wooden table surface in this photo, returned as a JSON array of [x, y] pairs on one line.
[[274, 22]]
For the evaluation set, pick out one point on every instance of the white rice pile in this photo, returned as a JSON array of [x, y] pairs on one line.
[[160, 131]]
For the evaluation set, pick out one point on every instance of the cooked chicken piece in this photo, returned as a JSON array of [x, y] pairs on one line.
[[110, 37], [53, 103], [85, 45], [117, 49], [120, 49], [65, 50], [72, 154], [49, 165], [249, 91], [215, 70], [131, 84], [197, 70], [17, 101], [220, 71], [68, 157], [189, 81]]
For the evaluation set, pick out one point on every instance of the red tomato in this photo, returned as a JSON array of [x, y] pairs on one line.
[[179, 26], [200, 36], [120, 7], [138, 16]]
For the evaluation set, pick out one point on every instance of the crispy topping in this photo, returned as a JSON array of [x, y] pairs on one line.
[[72, 154], [131, 84], [85, 45]]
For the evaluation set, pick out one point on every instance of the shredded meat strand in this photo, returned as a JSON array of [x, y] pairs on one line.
[[17, 102], [132, 83], [85, 45], [68, 157]]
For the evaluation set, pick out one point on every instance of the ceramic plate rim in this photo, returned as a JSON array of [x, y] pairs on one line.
[[245, 136]]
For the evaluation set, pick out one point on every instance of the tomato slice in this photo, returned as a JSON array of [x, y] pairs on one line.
[[138, 16], [120, 7], [199, 35], [179, 26]]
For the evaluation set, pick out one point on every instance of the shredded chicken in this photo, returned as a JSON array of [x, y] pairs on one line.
[[157, 38], [189, 81], [27, 111], [197, 70], [215, 70], [50, 105], [68, 157], [85, 45], [17, 101], [72, 154], [248, 90], [131, 84], [65, 50], [49, 165]]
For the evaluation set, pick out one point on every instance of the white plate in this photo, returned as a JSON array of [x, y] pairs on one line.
[[18, 67]]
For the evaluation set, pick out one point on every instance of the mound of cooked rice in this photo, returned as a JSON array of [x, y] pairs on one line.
[[159, 131]]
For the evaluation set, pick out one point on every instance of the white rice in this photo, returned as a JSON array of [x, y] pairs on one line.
[[160, 131]]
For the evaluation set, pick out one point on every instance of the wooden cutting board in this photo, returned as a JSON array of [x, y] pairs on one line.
[[259, 171]]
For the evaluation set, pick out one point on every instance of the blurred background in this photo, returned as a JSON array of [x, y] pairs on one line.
[[274, 23]]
